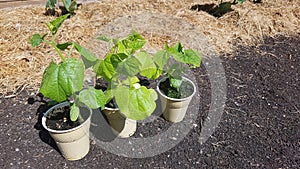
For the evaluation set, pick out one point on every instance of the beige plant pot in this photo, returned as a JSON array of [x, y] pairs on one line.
[[120, 125], [174, 110], [74, 144]]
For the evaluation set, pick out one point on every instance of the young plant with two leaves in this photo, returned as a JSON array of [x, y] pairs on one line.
[[64, 81]]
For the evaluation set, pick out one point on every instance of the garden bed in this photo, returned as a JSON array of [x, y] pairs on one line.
[[258, 44], [259, 127], [21, 65]]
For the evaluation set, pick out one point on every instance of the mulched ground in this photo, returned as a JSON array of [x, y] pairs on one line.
[[259, 127]]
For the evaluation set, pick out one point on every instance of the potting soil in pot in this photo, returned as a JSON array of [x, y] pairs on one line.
[[186, 89], [59, 119]]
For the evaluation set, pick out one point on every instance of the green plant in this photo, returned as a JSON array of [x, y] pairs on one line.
[[173, 61], [70, 5], [126, 60], [224, 7], [64, 81], [233, 2], [120, 68]]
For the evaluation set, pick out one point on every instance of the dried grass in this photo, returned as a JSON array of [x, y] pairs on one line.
[[21, 65]]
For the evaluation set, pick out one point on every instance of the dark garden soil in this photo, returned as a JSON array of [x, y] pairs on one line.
[[259, 127]]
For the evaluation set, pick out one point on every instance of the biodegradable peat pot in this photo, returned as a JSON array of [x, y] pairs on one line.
[[120, 125], [74, 143], [173, 109]]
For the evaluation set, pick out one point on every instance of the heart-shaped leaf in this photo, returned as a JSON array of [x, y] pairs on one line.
[[104, 68], [129, 67], [192, 57], [37, 39], [136, 103], [184, 56], [62, 80], [161, 58], [148, 67], [92, 98]]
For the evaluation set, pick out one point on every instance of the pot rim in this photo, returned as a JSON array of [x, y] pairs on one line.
[[174, 99], [63, 131], [112, 109]]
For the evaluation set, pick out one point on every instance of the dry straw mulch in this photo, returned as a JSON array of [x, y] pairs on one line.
[[21, 65]]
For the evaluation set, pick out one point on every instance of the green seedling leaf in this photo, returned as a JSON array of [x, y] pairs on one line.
[[136, 104], [153, 95], [108, 95], [148, 67], [37, 39], [175, 83], [63, 46], [93, 98], [131, 80], [62, 80], [184, 56], [175, 50], [55, 24], [161, 58], [88, 58], [74, 112], [175, 70], [51, 4], [191, 57], [116, 59], [129, 67], [131, 43], [67, 4], [104, 68], [70, 5]]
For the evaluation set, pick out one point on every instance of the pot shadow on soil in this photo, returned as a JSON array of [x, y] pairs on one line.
[[43, 133]]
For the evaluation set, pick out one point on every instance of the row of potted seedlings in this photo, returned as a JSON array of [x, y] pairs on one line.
[[122, 99]]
